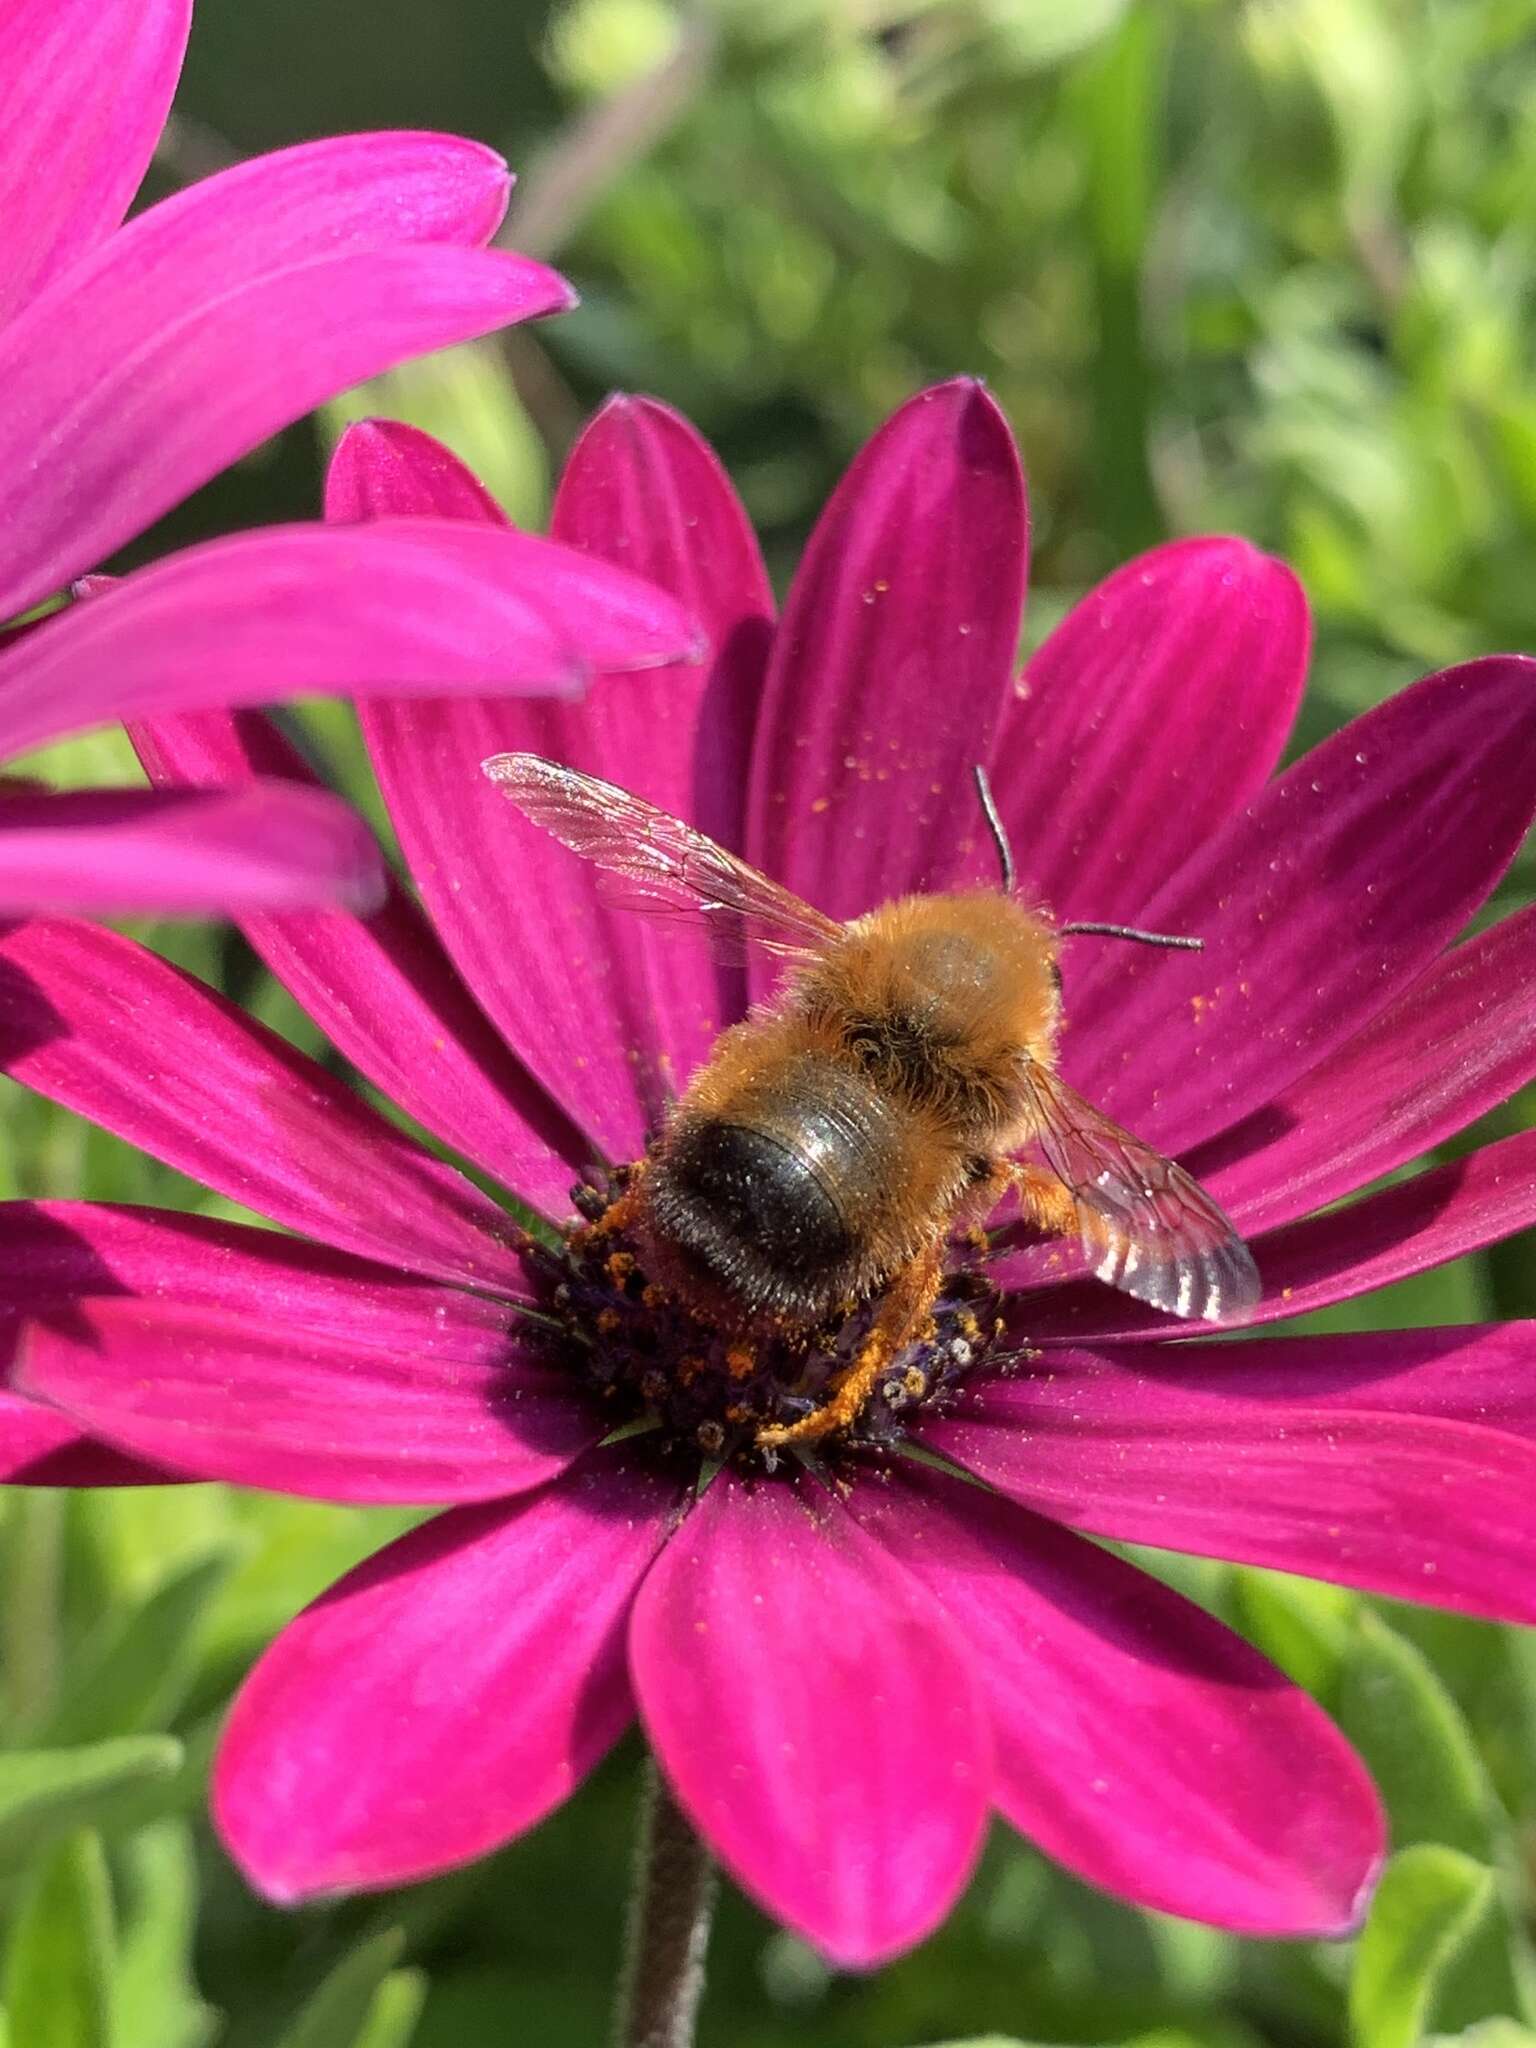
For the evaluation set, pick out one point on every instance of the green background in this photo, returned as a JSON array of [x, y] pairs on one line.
[[1265, 267]]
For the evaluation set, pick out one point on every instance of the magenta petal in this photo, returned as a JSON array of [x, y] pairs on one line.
[[644, 490], [1421, 1508], [816, 1716], [183, 854], [39, 1447], [389, 469], [96, 1022], [1483, 1373], [1158, 706], [218, 317], [1459, 1041], [894, 661], [415, 605], [58, 1257], [85, 91], [147, 427], [1435, 1217], [382, 988], [1318, 903], [641, 1011], [444, 1696], [1427, 1221], [436, 1399], [1139, 1741]]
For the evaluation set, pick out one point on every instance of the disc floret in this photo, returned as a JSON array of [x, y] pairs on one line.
[[707, 1391]]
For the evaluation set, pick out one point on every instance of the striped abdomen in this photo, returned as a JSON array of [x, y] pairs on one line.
[[772, 1206]]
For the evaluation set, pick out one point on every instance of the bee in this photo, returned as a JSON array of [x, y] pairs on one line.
[[823, 1155]]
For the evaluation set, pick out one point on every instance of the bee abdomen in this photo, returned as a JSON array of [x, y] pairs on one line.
[[756, 1212]]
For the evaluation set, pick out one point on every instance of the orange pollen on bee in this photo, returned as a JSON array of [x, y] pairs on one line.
[[741, 1361], [608, 1320], [619, 1266], [689, 1368], [653, 1296]]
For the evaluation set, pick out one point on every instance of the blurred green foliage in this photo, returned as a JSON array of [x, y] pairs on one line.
[[1266, 265]]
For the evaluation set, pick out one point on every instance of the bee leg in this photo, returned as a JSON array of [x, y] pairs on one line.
[[901, 1316], [619, 1215]]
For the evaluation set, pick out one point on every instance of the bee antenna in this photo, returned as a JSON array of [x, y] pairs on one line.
[[995, 827], [1129, 931]]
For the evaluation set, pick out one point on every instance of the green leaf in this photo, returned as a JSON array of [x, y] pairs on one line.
[[1120, 99], [154, 1998], [58, 1963], [1158, 2037], [344, 2007], [1421, 1752], [1426, 1906], [1028, 35], [1487, 2034], [1303, 1626], [46, 1792], [134, 1672], [1414, 1737], [985, 2041], [395, 2010]]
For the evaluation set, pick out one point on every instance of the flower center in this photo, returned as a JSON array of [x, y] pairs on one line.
[[652, 1362]]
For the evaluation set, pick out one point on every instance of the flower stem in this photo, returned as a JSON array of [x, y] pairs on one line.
[[670, 1909]]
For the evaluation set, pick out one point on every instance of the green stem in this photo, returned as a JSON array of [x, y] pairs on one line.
[[31, 1577], [1121, 95], [670, 1909]]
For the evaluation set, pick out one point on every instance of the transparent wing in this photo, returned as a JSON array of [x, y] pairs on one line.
[[663, 864], [1150, 1229]]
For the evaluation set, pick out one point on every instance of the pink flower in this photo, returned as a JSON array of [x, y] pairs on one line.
[[136, 362], [842, 1671]]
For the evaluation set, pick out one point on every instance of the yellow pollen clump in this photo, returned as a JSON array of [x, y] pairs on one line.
[[915, 1382]]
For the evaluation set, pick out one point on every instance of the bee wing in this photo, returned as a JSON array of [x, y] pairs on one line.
[[667, 866], [1149, 1227]]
